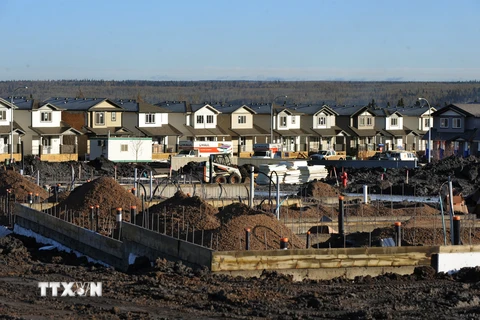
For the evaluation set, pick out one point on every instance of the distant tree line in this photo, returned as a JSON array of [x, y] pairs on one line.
[[300, 92]]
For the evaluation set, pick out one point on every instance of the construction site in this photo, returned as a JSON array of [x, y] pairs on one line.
[[368, 249]]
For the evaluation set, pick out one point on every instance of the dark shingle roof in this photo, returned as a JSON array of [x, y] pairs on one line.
[[78, 104], [472, 108], [174, 106], [347, 110]]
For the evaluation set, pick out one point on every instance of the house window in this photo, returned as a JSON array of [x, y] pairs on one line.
[[322, 121], [293, 119], [242, 119], [393, 122], [210, 118], [3, 115], [99, 118], [124, 147], [199, 119], [150, 118], [114, 116], [361, 122], [369, 121], [426, 123], [46, 117], [443, 123], [456, 123], [283, 121]]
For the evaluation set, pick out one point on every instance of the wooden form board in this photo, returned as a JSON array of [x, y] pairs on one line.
[[322, 258]]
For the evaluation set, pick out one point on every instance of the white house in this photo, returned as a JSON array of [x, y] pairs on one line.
[[122, 149], [52, 136]]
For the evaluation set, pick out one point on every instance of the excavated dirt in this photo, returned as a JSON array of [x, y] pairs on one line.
[[184, 211], [20, 185], [106, 193], [266, 231], [318, 189], [173, 291], [425, 180]]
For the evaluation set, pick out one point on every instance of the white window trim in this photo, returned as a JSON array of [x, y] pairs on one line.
[[441, 122], [454, 125], [97, 117], [242, 119]]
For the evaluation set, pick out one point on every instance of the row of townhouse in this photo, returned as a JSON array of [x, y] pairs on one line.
[[59, 129]]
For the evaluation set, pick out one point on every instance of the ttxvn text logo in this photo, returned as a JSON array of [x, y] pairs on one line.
[[71, 289]]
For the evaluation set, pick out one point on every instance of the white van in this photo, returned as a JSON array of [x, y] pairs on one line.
[[402, 155]]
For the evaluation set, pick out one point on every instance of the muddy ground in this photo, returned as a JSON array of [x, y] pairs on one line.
[[172, 291]]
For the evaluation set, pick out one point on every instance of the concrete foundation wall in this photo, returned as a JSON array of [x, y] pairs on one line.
[[89, 243], [144, 242], [134, 240]]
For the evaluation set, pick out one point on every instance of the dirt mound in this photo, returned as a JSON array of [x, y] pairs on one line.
[[266, 232], [383, 209], [234, 210], [20, 185], [318, 189], [422, 181], [106, 193], [183, 210]]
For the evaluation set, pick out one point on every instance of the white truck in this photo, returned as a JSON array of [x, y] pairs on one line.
[[329, 155], [267, 150], [204, 148]]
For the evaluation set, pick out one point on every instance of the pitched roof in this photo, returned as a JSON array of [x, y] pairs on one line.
[[363, 132], [117, 131], [348, 110], [468, 135], [49, 131], [164, 130], [79, 104], [230, 108], [471, 109], [293, 132], [327, 132], [16, 128], [175, 106]]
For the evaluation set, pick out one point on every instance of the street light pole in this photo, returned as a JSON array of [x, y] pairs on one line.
[[271, 117], [429, 128], [11, 122]]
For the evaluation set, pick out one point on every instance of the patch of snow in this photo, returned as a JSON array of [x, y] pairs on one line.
[[41, 239], [131, 258], [46, 248], [4, 231]]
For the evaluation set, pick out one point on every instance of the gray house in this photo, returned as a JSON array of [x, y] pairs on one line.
[[456, 130], [320, 120], [237, 121]]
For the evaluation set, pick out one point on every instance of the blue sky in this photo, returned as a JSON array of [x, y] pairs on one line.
[[354, 40]]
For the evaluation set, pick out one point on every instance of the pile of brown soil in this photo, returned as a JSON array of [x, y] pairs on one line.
[[183, 210], [106, 193], [383, 209], [307, 211], [234, 210], [20, 186], [266, 232], [318, 189]]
